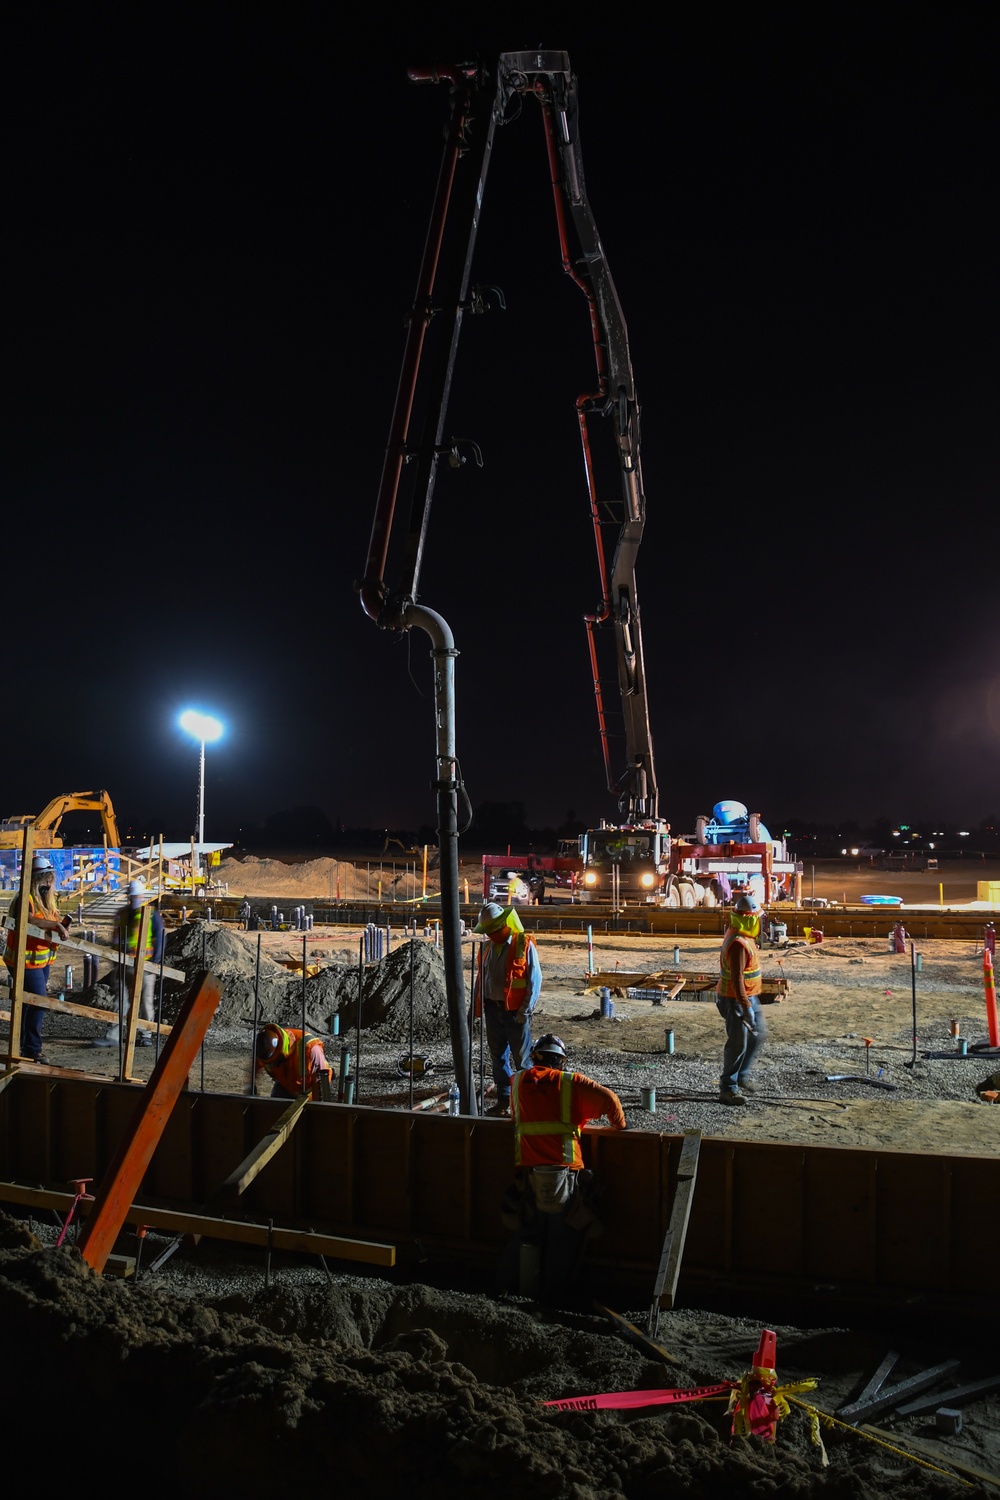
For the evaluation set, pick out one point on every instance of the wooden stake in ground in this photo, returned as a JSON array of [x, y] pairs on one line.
[[128, 1167]]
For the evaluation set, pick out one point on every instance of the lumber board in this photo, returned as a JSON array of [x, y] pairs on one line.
[[241, 1177], [930, 1450], [128, 1166], [665, 1290], [234, 1231], [114, 957], [89, 1012]]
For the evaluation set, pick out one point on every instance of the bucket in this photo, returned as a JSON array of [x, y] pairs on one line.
[[649, 1101]]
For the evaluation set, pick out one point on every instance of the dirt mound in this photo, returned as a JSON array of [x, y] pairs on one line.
[[415, 968], [408, 1390], [385, 1009], [321, 879]]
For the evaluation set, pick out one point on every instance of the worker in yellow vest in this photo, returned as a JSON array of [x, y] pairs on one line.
[[738, 1000]]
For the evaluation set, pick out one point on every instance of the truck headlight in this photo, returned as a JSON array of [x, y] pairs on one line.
[[647, 880], [590, 878]]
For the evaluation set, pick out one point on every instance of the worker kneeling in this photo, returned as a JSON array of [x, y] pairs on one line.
[[549, 1207], [279, 1055]]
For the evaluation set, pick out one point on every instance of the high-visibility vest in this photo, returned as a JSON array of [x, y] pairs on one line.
[[752, 981], [132, 934], [544, 1133], [39, 947], [515, 979]]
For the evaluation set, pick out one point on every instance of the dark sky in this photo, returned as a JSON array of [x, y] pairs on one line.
[[215, 216]]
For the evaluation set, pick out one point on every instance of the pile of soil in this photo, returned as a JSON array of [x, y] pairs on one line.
[[321, 879], [413, 969], [404, 1390]]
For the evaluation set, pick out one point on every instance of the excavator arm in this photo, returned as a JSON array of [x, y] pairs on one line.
[[50, 817]]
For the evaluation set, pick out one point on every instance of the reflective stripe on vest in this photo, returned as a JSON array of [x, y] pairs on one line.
[[132, 937], [563, 1127], [39, 947], [515, 978], [752, 980]]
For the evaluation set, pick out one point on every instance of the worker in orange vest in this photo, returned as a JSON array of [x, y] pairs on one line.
[[548, 1204], [738, 999], [279, 1054]]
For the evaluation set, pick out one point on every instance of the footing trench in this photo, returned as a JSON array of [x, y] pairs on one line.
[[801, 1221]]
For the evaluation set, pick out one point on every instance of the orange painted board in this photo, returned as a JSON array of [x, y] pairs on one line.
[[128, 1166]]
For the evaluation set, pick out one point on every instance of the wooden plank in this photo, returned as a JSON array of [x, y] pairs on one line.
[[205, 1225], [122, 1179], [89, 1012], [114, 957], [20, 947], [665, 1289], [135, 993], [241, 1177]]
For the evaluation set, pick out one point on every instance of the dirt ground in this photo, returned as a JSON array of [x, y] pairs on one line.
[[244, 1374]]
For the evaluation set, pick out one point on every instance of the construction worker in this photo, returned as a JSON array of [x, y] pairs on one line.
[[46, 928], [548, 1203], [738, 999], [128, 926], [508, 981], [279, 1054]]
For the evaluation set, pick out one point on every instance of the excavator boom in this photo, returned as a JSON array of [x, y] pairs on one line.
[[47, 822]]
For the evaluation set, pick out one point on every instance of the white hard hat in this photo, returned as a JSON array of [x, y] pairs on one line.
[[40, 862], [137, 887]]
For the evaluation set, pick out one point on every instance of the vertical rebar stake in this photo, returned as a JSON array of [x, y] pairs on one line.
[[256, 1018], [412, 946], [357, 1045]]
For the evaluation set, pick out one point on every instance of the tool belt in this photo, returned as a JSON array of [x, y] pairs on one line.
[[552, 1188]]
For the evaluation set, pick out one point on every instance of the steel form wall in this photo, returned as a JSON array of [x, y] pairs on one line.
[[871, 1224]]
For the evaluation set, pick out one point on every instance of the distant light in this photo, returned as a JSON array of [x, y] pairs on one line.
[[200, 726], [931, 846], [895, 833], [963, 833]]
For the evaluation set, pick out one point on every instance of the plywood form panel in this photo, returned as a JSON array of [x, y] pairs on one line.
[[914, 1220], [75, 1134], [975, 1221], [170, 1173], [381, 1164], [628, 1166], [221, 1142], [442, 1166], [709, 1238], [839, 1216], [30, 1103], [491, 1173], [767, 1208]]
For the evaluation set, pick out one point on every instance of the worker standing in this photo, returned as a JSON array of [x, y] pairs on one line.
[[279, 1050], [548, 1203], [508, 982], [128, 927], [738, 999], [46, 928]]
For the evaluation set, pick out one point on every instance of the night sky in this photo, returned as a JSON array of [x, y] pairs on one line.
[[215, 216]]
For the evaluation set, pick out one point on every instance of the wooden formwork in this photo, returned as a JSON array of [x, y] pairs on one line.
[[867, 1225]]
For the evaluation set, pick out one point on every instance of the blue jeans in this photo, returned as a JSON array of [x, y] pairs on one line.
[[509, 1041], [742, 1046], [36, 982]]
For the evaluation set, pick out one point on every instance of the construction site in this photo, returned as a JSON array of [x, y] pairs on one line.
[[227, 1285]]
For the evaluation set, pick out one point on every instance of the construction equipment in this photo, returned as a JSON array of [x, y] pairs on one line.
[[46, 824]]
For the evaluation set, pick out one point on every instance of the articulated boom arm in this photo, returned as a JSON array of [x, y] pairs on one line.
[[549, 77], [52, 815]]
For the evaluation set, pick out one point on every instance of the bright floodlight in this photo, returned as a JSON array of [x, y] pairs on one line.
[[202, 726]]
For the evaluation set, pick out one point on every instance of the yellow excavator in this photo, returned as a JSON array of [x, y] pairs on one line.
[[46, 824]]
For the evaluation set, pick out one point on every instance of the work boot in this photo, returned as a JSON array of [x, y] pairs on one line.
[[747, 1088], [731, 1096], [501, 1107]]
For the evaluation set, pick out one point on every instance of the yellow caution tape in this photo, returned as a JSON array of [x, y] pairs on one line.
[[816, 1417]]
